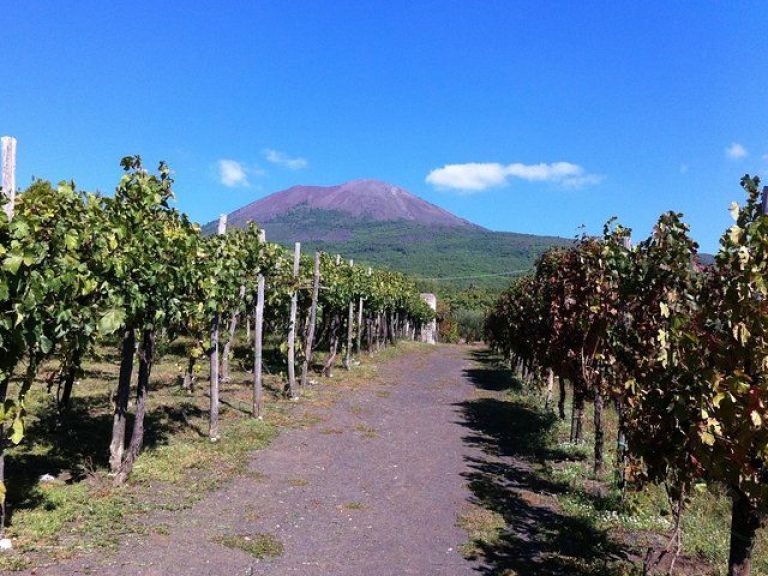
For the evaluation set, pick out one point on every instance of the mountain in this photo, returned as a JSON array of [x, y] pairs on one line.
[[380, 224], [366, 199]]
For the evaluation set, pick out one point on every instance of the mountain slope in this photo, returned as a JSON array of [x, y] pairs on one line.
[[379, 224], [370, 199]]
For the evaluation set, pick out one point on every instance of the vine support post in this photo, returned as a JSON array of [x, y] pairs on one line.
[[213, 428], [312, 321], [258, 325], [291, 388], [350, 330], [8, 148], [358, 342]]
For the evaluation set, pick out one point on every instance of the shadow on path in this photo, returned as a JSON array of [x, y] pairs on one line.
[[516, 439]]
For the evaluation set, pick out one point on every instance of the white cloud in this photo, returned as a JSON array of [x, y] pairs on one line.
[[232, 173], [736, 151], [477, 176], [282, 159]]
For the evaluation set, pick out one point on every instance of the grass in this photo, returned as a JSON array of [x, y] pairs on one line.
[[705, 523], [82, 511], [484, 529], [262, 545], [367, 431], [514, 423]]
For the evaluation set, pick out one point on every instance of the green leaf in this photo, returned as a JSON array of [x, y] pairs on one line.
[[17, 430], [45, 345], [707, 437], [111, 320], [12, 263]]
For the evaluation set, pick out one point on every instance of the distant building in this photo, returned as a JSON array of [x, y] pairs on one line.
[[429, 330]]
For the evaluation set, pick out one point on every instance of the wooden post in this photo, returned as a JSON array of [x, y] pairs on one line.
[[359, 326], [291, 388], [312, 321], [379, 330], [350, 330], [213, 431], [8, 151], [258, 325]]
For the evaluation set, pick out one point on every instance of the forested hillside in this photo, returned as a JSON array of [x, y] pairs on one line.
[[447, 257]]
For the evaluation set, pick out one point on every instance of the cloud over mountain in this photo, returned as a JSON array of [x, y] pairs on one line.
[[478, 176]]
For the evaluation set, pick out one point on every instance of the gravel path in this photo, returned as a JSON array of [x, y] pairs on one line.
[[373, 489]]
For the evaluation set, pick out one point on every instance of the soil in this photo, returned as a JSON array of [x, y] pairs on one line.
[[373, 488]]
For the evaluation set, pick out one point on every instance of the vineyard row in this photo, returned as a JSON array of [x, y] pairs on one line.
[[680, 349], [79, 269]]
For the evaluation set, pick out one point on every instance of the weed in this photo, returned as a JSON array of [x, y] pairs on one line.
[[262, 545]]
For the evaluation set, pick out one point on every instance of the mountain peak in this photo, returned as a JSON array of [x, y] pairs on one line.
[[365, 199]]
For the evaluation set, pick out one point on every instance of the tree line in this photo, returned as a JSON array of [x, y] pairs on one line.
[[678, 349], [82, 269]]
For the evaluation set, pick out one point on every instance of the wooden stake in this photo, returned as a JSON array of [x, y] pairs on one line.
[[258, 328], [291, 388], [8, 151], [350, 331], [359, 325], [213, 431], [258, 325], [312, 321]]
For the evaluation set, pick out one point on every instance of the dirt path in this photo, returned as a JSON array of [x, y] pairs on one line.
[[373, 489]]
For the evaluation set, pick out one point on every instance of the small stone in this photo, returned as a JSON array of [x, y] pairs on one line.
[[6, 544], [47, 478]]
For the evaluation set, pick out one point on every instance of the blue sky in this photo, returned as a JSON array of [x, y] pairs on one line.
[[523, 116]]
